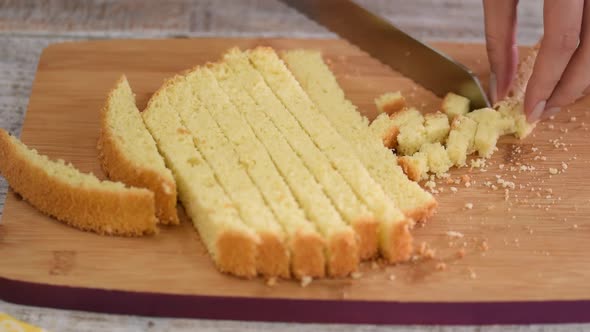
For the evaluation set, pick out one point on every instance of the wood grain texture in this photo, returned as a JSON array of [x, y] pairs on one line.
[[26, 27], [537, 244]]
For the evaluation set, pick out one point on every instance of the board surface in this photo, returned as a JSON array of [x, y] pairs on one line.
[[531, 247]]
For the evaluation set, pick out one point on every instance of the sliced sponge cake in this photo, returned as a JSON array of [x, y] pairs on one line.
[[231, 172], [321, 85], [390, 102], [230, 242], [352, 210], [129, 154], [78, 199], [395, 241], [304, 242]]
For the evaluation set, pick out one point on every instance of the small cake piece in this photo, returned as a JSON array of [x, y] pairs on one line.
[[437, 127], [414, 136], [460, 140], [489, 127], [390, 102], [384, 129], [513, 113], [454, 105], [128, 153], [416, 166], [438, 158], [78, 199], [410, 138]]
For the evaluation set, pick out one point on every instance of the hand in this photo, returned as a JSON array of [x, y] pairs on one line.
[[561, 74]]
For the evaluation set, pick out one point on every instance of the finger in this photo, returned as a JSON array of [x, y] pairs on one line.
[[500, 27], [562, 25], [575, 81]]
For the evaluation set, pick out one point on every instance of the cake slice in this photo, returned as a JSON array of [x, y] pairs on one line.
[[129, 154], [321, 85], [232, 245], [395, 237], [390, 102], [352, 210], [454, 105], [305, 244], [384, 129], [78, 199], [231, 171], [460, 142], [342, 251]]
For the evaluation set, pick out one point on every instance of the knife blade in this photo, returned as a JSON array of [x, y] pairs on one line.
[[428, 67]]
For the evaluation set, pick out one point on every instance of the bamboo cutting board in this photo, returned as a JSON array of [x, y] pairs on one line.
[[525, 256]]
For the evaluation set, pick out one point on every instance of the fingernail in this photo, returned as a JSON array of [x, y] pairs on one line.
[[493, 88], [535, 115], [551, 112]]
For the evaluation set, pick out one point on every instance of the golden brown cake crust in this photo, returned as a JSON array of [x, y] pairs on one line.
[[129, 212], [390, 137], [119, 167], [236, 254], [424, 213], [307, 258], [368, 237], [273, 257], [406, 165], [344, 255], [401, 243]]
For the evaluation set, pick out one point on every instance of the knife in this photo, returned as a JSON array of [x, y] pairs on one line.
[[426, 66]]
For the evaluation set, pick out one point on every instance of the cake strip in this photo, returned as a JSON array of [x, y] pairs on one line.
[[230, 171], [78, 199], [352, 210], [129, 154], [395, 244], [305, 243], [230, 242], [321, 85]]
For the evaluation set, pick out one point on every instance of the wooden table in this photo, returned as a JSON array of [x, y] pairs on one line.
[[26, 27]]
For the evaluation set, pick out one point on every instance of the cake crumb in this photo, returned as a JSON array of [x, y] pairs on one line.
[[453, 189], [472, 274], [441, 266], [461, 253], [484, 246], [391, 277], [573, 119], [553, 171], [454, 234], [356, 275], [305, 281], [469, 206], [271, 282]]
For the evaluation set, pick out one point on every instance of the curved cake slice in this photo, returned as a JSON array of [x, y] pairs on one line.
[[395, 238], [231, 244], [129, 154], [80, 200]]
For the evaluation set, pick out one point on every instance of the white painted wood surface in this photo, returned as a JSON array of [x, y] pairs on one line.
[[27, 26]]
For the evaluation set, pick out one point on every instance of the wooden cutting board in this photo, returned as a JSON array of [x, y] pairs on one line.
[[525, 258]]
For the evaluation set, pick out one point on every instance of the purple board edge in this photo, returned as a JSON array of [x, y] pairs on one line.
[[292, 310]]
